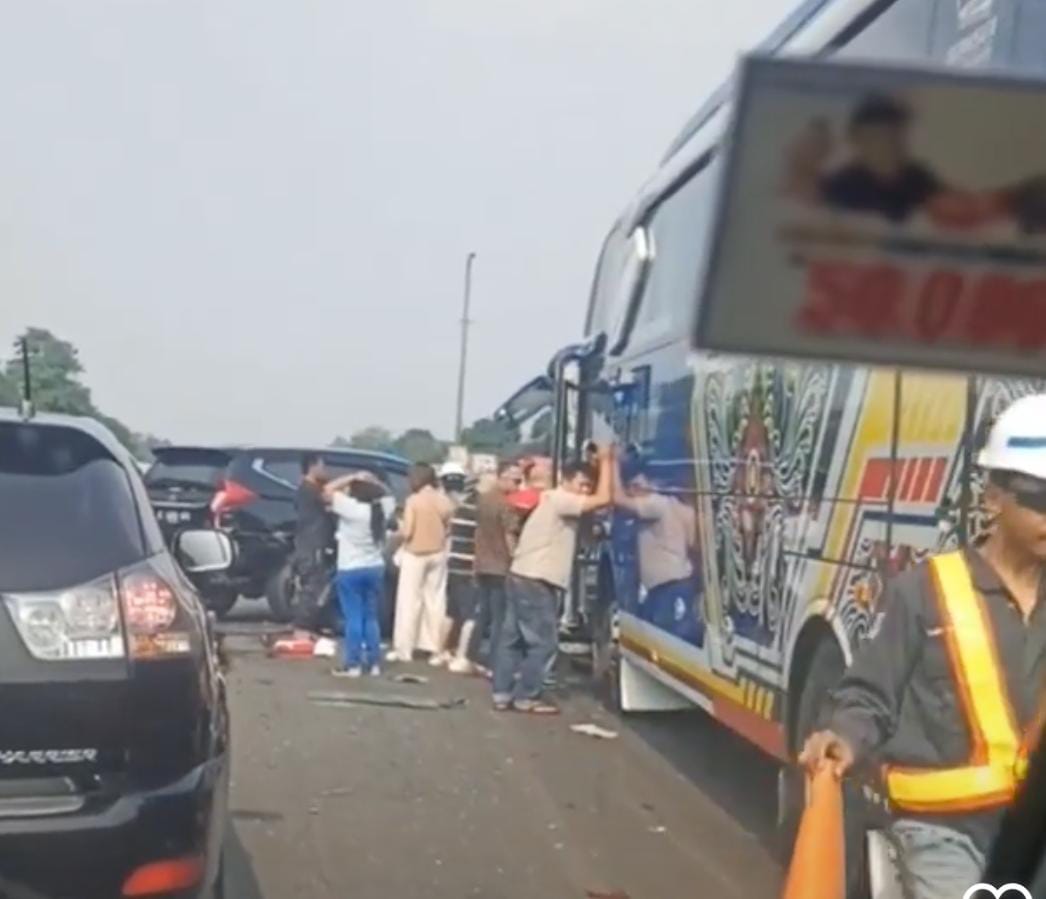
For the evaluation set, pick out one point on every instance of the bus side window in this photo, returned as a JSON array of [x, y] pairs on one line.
[[902, 32], [679, 226], [611, 262]]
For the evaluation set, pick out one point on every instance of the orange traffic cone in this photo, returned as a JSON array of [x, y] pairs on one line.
[[818, 863]]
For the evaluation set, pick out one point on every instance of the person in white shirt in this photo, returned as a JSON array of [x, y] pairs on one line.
[[362, 507]]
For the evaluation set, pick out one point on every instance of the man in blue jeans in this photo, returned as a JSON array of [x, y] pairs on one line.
[[540, 570]]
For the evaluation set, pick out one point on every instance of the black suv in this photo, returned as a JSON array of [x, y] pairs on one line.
[[114, 733], [249, 493]]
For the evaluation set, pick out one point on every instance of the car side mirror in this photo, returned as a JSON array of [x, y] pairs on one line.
[[203, 550]]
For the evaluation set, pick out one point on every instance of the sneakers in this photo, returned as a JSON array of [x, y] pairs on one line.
[[394, 656], [375, 671], [354, 671], [438, 659], [461, 666]]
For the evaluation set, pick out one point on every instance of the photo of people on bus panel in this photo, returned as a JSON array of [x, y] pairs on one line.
[[880, 175], [666, 551]]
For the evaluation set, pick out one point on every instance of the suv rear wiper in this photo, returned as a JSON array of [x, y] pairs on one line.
[[179, 482]]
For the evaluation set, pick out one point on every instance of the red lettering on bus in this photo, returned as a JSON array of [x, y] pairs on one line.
[[991, 309], [844, 297], [938, 301], [1031, 310]]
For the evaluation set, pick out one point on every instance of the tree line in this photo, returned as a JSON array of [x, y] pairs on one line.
[[485, 435], [55, 375], [57, 386]]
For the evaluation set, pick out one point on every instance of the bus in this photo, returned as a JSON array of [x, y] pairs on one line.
[[804, 485]]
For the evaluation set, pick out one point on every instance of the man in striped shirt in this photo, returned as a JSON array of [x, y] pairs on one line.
[[462, 597]]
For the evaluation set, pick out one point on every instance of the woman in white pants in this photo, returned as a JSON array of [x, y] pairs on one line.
[[421, 596]]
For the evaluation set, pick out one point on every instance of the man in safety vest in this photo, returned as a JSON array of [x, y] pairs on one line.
[[946, 690]]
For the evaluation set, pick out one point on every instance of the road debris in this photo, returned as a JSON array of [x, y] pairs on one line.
[[410, 679], [325, 648], [337, 791], [291, 647], [389, 700], [594, 730]]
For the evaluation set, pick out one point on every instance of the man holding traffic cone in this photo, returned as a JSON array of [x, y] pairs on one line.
[[946, 689]]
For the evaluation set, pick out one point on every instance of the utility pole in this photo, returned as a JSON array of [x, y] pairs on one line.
[[26, 409], [463, 360]]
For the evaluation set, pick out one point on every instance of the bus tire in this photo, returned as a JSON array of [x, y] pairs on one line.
[[827, 665]]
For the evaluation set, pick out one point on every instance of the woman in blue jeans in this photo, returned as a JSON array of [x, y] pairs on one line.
[[361, 505]]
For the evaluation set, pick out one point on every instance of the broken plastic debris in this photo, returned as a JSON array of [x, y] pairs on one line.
[[292, 648], [325, 648], [391, 700], [658, 828], [594, 730], [337, 791]]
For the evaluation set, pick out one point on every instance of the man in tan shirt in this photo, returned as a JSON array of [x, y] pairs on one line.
[[666, 541], [421, 595], [541, 567]]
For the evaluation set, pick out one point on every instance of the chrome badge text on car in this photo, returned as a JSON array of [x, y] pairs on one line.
[[11, 757]]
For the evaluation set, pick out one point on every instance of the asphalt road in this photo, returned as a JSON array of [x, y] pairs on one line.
[[380, 802]]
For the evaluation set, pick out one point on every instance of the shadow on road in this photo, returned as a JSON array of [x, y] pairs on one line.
[[240, 880], [731, 772]]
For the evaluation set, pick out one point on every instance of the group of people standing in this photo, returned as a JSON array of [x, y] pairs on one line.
[[482, 565], [505, 560]]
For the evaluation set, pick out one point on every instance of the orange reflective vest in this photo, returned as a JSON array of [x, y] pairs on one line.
[[999, 752]]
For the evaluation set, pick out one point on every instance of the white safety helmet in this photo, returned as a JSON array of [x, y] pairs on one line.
[[452, 470], [1017, 441]]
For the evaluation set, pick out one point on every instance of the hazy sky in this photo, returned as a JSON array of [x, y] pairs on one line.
[[251, 216]]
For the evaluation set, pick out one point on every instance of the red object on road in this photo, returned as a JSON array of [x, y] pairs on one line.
[[293, 648], [818, 863]]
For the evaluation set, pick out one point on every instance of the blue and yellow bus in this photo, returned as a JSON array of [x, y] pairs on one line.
[[806, 484]]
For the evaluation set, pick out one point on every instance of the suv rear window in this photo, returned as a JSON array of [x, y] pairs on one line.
[[198, 468], [67, 513]]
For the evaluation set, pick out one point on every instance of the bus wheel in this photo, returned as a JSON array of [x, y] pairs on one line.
[[826, 668]]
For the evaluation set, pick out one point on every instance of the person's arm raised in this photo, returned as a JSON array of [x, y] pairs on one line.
[[337, 484], [604, 492]]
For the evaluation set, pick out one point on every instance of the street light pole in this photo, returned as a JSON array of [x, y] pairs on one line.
[[463, 360]]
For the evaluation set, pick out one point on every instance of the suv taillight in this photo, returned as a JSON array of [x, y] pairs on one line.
[[231, 495], [84, 622], [151, 614]]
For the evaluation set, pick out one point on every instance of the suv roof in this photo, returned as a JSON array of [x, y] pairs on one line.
[[268, 448], [79, 422], [331, 450]]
